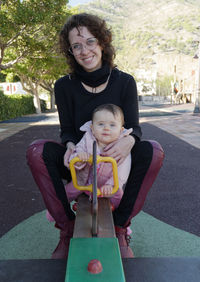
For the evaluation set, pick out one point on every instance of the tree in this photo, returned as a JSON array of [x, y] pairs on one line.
[[34, 72], [30, 50], [21, 26], [163, 85], [53, 67]]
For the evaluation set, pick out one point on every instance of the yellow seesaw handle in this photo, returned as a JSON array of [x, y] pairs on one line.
[[89, 187]]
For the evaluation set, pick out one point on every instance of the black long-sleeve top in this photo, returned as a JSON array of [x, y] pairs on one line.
[[75, 104]]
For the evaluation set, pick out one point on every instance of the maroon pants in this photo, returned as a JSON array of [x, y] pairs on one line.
[[45, 159]]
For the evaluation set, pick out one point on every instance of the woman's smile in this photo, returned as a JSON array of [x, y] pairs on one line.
[[87, 59]]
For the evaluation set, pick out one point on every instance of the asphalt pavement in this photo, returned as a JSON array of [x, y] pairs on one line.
[[169, 223]]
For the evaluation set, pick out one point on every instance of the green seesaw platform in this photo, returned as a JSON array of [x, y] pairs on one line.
[[83, 250]]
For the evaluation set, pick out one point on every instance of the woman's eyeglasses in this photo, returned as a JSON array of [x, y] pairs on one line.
[[77, 48]]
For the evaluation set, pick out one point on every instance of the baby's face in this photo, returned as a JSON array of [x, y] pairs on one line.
[[106, 127]]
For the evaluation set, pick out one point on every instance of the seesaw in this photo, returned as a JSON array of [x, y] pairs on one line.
[[94, 253]]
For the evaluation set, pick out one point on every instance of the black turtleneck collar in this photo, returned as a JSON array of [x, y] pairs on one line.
[[95, 78]]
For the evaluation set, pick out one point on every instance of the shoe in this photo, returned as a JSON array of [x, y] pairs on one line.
[[74, 207], [124, 240], [66, 233]]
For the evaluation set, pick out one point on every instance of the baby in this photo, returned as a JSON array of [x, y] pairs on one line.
[[105, 128]]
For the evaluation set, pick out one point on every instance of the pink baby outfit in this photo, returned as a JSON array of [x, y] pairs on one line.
[[104, 170]]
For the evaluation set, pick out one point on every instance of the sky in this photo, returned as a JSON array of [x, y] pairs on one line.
[[77, 2]]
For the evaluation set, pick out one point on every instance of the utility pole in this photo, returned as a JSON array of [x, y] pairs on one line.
[[197, 92]]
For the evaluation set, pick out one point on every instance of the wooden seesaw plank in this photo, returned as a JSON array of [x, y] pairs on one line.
[[83, 222], [106, 227]]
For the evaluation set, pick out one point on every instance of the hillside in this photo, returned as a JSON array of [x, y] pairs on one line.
[[172, 22], [144, 30]]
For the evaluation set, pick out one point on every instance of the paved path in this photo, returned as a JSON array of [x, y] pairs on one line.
[[13, 126], [169, 227], [183, 124], [179, 121]]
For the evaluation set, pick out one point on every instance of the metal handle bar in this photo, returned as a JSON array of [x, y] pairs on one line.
[[90, 160]]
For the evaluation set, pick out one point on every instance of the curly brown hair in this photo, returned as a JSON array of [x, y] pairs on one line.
[[97, 28]]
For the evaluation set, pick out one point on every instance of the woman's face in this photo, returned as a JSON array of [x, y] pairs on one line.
[[80, 39]]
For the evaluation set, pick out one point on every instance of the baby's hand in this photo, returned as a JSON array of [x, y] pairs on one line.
[[83, 156], [106, 190]]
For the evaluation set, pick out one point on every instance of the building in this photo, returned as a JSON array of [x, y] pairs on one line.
[[10, 88]]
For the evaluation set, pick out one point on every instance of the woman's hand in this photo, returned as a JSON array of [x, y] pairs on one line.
[[70, 150], [119, 150]]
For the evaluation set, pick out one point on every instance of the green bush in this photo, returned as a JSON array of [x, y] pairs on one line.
[[13, 106]]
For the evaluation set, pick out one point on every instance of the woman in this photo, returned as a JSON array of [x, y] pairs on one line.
[[85, 41]]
